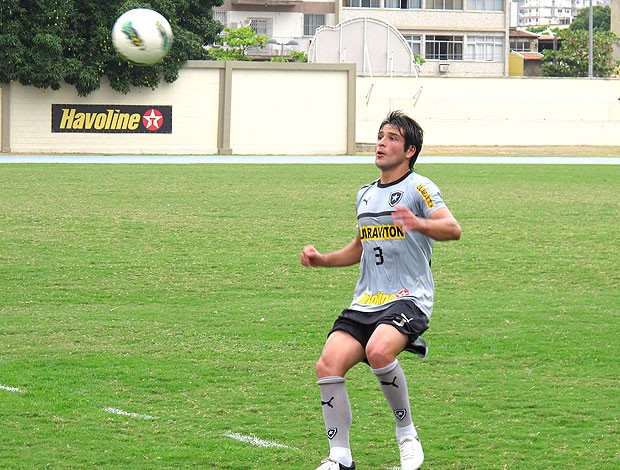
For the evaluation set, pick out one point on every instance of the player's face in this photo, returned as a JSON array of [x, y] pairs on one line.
[[390, 149]]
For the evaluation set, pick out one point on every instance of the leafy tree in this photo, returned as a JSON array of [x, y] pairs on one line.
[[295, 56], [572, 58], [46, 42], [299, 56], [233, 44], [536, 29], [601, 19]]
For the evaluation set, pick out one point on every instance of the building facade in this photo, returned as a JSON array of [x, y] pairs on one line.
[[553, 13], [283, 20], [454, 37]]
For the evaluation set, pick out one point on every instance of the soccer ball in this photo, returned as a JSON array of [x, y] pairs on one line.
[[142, 36]]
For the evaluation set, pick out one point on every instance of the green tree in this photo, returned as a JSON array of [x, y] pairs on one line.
[[601, 19], [536, 29], [572, 58], [44, 43], [234, 44], [295, 56], [299, 56]]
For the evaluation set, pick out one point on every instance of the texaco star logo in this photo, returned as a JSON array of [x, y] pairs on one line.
[[152, 120]]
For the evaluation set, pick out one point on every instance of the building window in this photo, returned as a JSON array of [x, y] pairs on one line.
[[485, 48], [312, 22], [520, 46], [444, 47], [262, 26], [221, 16], [485, 5], [404, 4], [362, 3], [415, 43], [444, 4]]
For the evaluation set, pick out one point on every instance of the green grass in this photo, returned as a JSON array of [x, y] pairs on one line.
[[175, 291]]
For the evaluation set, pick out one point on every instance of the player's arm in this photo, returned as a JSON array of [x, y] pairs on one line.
[[440, 226], [346, 256]]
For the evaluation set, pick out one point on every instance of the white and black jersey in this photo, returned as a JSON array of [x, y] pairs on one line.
[[395, 265]]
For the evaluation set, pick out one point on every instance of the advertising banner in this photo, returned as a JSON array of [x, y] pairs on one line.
[[112, 119]]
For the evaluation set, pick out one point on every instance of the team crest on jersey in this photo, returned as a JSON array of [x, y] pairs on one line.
[[395, 197], [331, 433], [400, 414]]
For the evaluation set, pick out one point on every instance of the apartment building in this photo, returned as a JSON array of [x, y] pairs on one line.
[[455, 37], [544, 13], [553, 13], [282, 20]]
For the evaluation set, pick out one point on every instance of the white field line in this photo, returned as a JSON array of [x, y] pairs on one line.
[[255, 441], [304, 159], [11, 389], [126, 413]]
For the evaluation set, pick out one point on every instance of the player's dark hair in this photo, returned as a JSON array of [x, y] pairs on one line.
[[410, 130]]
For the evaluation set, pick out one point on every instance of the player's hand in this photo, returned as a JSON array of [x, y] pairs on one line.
[[405, 218], [310, 256]]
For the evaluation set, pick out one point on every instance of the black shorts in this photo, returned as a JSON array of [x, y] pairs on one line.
[[403, 315]]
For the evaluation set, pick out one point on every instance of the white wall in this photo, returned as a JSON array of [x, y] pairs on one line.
[[323, 109], [275, 107], [195, 100], [4, 129], [217, 107], [496, 111]]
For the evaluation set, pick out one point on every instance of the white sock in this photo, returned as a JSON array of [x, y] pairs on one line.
[[341, 455], [406, 431]]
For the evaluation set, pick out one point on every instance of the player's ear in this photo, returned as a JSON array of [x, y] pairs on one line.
[[410, 152]]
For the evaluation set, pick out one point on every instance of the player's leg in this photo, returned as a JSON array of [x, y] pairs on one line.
[[383, 347], [340, 353], [382, 350]]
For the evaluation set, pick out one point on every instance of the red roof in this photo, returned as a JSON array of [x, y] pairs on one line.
[[531, 55]]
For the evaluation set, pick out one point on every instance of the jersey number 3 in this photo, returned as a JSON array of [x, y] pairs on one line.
[[379, 255]]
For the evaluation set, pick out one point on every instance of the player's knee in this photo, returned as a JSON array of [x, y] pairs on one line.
[[322, 369], [327, 368], [379, 356]]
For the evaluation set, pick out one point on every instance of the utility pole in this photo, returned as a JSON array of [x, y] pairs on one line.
[[591, 48]]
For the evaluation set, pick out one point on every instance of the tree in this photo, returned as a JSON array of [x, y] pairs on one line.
[[295, 56], [44, 43], [601, 19], [572, 58], [234, 44], [537, 29]]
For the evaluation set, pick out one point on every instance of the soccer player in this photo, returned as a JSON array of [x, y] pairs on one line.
[[399, 216]]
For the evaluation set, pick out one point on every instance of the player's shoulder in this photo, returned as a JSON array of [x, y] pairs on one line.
[[415, 180], [367, 187]]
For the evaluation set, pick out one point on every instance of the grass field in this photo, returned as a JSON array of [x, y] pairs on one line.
[[149, 314]]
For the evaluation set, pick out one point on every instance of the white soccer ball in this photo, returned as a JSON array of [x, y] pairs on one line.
[[142, 36]]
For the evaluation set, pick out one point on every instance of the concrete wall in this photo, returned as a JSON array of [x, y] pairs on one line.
[[323, 109], [4, 122], [496, 111], [217, 107]]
